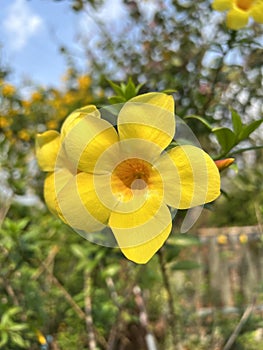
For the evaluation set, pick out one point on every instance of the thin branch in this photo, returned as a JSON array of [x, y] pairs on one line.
[[240, 325], [173, 318], [88, 311], [149, 338]]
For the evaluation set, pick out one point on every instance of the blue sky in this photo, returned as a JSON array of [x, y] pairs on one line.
[[31, 32]]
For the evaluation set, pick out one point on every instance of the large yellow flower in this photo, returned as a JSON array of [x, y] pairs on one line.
[[239, 11], [122, 179]]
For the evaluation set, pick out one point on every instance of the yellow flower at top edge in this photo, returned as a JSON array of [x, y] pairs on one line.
[[239, 11], [8, 90], [122, 179]]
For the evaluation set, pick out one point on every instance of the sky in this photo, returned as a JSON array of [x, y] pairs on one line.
[[31, 32]]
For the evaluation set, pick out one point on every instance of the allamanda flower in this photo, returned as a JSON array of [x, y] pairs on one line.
[[239, 11], [101, 177]]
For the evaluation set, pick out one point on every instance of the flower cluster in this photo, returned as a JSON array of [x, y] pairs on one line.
[[124, 178]]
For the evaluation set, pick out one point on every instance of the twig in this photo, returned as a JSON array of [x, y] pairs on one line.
[[50, 258], [71, 301], [172, 314], [88, 311], [239, 326], [149, 338]]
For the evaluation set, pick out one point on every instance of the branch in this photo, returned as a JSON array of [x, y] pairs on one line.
[[239, 326]]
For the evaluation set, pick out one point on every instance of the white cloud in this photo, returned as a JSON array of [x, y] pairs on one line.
[[21, 24]]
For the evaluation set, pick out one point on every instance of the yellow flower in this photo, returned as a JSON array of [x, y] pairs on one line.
[[243, 238], [222, 239], [4, 122], [36, 96], [239, 11], [101, 179], [84, 82], [52, 124], [8, 90], [24, 135]]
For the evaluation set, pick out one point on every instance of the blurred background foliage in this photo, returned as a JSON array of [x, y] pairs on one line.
[[58, 291]]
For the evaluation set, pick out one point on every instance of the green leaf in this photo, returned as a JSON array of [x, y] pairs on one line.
[[18, 327], [236, 122], [201, 119], [118, 90], [130, 89], [4, 338], [226, 138], [117, 99], [184, 240], [18, 340], [185, 265], [169, 91], [248, 129]]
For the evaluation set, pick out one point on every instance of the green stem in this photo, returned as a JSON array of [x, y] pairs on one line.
[[173, 317]]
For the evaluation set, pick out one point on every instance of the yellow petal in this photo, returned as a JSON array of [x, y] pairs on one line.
[[80, 206], [222, 5], [53, 185], [190, 177], [149, 117], [76, 116], [257, 12], [47, 148], [87, 138], [140, 243], [237, 18]]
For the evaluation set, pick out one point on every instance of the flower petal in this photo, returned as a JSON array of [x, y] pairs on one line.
[[222, 5], [85, 139], [257, 12], [190, 177], [54, 183], [140, 242], [80, 206], [78, 115], [149, 117], [47, 148], [237, 18]]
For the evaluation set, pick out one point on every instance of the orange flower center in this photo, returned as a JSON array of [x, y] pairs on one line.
[[244, 4], [131, 174]]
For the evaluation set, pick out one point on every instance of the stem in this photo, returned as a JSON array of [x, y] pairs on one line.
[[173, 318], [88, 311], [239, 326]]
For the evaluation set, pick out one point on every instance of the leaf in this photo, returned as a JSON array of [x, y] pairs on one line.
[[236, 122], [247, 130], [118, 90], [117, 99], [226, 138], [18, 340], [18, 327], [4, 338], [184, 240], [201, 119], [130, 89], [185, 265]]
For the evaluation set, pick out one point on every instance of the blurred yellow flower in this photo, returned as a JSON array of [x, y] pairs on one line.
[[123, 179], [69, 97], [222, 239], [239, 11], [24, 135], [52, 124], [4, 122], [8, 90], [84, 82], [243, 238], [36, 96]]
